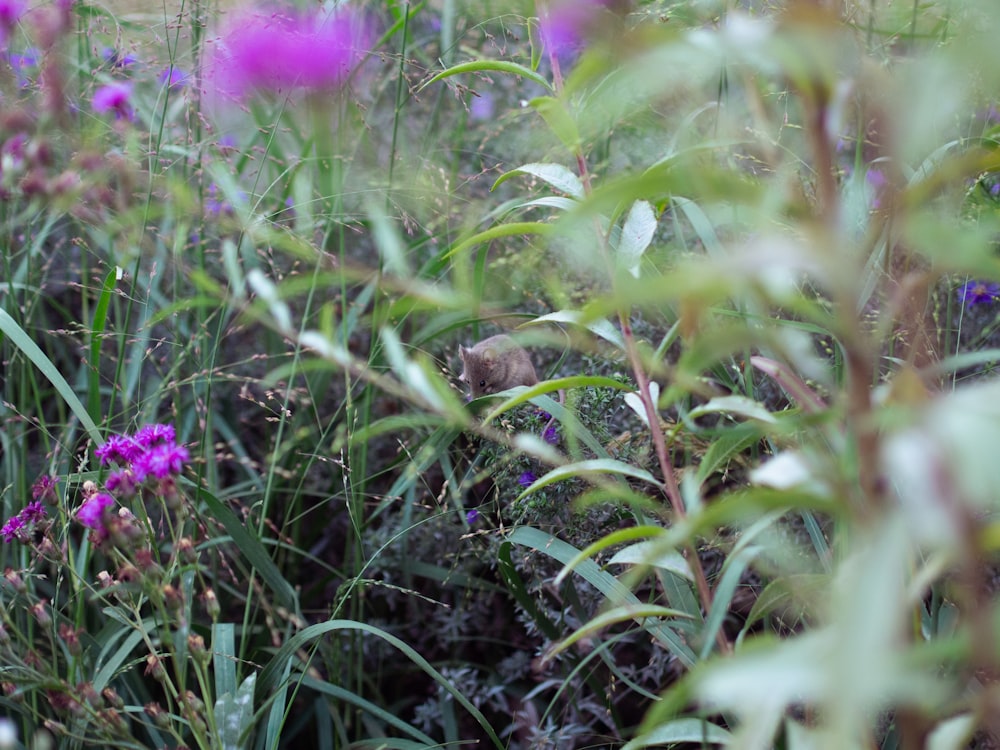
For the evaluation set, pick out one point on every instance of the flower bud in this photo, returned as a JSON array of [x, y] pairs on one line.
[[196, 645], [154, 668], [41, 613], [211, 604]]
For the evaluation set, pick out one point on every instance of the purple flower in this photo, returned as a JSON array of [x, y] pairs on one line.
[[33, 512], [11, 529], [564, 24], [114, 97], [276, 51], [174, 78], [11, 12], [44, 489], [551, 435], [526, 479], [154, 434], [116, 59], [160, 461], [119, 448], [21, 525], [91, 513], [471, 516], [978, 292], [24, 64], [482, 107]]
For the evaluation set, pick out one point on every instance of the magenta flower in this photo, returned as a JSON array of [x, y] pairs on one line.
[[11, 530], [978, 292], [91, 513], [23, 524], [565, 24], [11, 11], [279, 51], [154, 434], [114, 97], [44, 489], [174, 78], [119, 448], [160, 461]]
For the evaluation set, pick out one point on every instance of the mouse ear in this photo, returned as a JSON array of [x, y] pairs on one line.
[[490, 354]]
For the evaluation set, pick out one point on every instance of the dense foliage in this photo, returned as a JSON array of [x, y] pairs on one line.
[[751, 248]]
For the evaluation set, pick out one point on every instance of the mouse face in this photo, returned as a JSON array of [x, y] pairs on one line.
[[495, 364]]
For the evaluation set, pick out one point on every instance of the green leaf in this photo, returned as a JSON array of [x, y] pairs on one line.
[[497, 66], [252, 550], [558, 118], [556, 175], [635, 236], [738, 405], [501, 230], [615, 591], [589, 469], [269, 677], [688, 730], [650, 553], [234, 715], [598, 326], [613, 617]]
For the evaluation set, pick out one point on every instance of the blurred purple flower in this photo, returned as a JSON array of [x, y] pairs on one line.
[[23, 64], [275, 50], [44, 489], [10, 13], [116, 59], [526, 479], [174, 78], [471, 516], [565, 24], [875, 178], [91, 513], [978, 292], [114, 97], [551, 435], [482, 107]]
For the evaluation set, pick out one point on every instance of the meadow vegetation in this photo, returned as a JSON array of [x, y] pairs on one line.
[[246, 502]]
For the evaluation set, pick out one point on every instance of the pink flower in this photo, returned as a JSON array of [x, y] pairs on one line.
[[281, 51], [11, 12], [91, 513], [160, 461], [565, 24], [119, 448], [151, 434], [114, 98]]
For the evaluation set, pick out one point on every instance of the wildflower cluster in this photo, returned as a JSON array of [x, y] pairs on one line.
[[22, 525]]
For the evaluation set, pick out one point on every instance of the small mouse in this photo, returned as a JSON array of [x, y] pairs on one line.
[[496, 364]]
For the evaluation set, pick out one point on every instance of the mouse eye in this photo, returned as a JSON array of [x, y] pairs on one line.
[[482, 383]]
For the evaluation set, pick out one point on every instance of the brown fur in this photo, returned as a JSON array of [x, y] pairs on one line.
[[496, 364]]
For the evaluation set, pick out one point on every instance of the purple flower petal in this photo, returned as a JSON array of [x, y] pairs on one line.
[[113, 97], [978, 292], [278, 51], [91, 513]]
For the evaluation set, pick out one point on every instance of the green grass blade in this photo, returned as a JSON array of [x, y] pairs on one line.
[[20, 339]]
